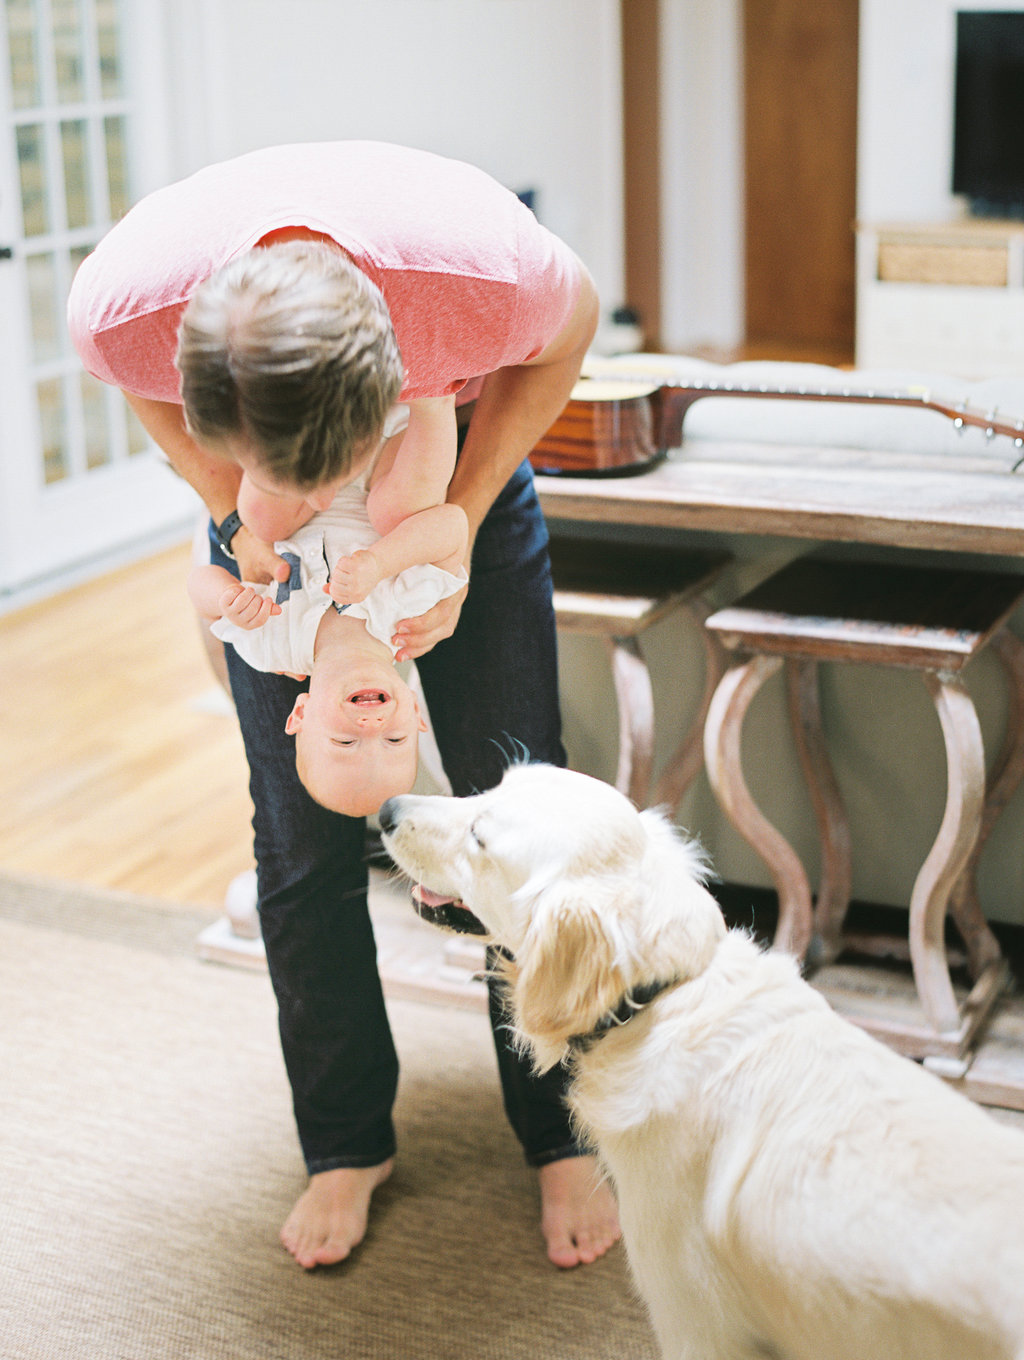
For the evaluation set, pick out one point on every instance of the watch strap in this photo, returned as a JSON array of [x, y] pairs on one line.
[[226, 530]]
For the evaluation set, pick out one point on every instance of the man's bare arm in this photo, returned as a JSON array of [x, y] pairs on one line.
[[516, 406], [416, 466]]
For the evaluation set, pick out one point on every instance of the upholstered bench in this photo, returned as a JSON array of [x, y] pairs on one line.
[[616, 591], [931, 620]]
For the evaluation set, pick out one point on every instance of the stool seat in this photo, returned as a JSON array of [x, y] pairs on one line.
[[921, 617], [933, 620], [616, 591], [622, 588]]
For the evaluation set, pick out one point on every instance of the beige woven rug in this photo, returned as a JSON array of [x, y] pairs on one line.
[[148, 1157]]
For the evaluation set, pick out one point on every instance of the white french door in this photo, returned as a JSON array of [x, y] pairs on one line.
[[79, 481]]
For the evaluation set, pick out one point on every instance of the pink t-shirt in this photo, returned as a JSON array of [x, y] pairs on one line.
[[472, 280]]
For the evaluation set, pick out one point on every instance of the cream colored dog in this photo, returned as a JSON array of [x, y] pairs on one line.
[[789, 1188]]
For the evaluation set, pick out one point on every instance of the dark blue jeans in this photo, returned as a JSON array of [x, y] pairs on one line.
[[492, 694]]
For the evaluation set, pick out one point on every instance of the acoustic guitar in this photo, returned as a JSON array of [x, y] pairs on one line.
[[621, 427], [608, 429]]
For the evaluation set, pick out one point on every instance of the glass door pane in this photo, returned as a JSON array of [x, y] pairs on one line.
[[77, 473], [69, 115]]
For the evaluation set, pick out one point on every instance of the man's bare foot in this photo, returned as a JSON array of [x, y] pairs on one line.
[[579, 1216], [330, 1218]]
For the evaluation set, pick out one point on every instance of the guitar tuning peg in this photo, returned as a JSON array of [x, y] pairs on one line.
[[990, 430], [958, 424]]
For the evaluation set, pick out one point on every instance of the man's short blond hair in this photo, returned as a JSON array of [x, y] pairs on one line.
[[290, 347]]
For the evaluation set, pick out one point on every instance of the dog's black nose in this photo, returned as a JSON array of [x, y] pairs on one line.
[[388, 815]]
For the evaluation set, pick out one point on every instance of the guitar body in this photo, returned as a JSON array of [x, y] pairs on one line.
[[606, 430]]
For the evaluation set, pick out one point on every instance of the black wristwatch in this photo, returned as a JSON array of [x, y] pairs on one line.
[[226, 531]]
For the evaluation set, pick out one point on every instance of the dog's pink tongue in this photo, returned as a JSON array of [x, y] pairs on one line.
[[427, 898]]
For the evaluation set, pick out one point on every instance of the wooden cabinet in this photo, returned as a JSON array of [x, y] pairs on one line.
[[942, 297]]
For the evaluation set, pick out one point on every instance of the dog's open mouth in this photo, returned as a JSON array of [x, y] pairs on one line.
[[446, 912]]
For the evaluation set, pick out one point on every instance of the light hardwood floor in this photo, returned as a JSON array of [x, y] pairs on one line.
[[122, 765]]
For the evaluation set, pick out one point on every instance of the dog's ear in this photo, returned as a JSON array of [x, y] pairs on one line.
[[680, 925], [568, 971]]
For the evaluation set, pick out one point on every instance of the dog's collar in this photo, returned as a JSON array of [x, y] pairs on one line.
[[633, 1001]]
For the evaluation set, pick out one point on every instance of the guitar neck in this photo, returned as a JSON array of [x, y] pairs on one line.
[[677, 396]]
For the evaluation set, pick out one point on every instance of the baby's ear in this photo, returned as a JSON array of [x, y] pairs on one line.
[[294, 723], [421, 723]]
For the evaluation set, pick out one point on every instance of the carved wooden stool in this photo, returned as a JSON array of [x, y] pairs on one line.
[[615, 591], [929, 620]]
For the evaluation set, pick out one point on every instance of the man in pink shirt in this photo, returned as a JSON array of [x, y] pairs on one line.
[[492, 316]]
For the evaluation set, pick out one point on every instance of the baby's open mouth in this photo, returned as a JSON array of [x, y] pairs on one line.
[[368, 697]]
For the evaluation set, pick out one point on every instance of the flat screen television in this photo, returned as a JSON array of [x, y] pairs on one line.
[[988, 131]]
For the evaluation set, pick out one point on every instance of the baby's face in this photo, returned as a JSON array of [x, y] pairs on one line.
[[262, 491], [356, 749]]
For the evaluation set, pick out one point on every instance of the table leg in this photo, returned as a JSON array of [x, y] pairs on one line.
[[684, 764], [958, 833], [635, 697], [835, 884], [722, 755], [1004, 777]]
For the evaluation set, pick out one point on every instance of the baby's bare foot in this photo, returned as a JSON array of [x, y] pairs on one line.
[[579, 1216], [329, 1219]]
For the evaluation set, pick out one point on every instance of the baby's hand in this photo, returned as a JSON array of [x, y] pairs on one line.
[[354, 577], [246, 607]]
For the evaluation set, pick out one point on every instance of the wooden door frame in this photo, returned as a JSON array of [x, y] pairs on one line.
[[641, 179], [641, 44], [800, 137]]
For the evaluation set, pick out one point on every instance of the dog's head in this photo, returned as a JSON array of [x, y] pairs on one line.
[[591, 898]]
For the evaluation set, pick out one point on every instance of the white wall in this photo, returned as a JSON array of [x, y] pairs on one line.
[[529, 90], [702, 174], [905, 130]]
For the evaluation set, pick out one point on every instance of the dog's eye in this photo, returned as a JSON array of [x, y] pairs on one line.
[[477, 838]]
